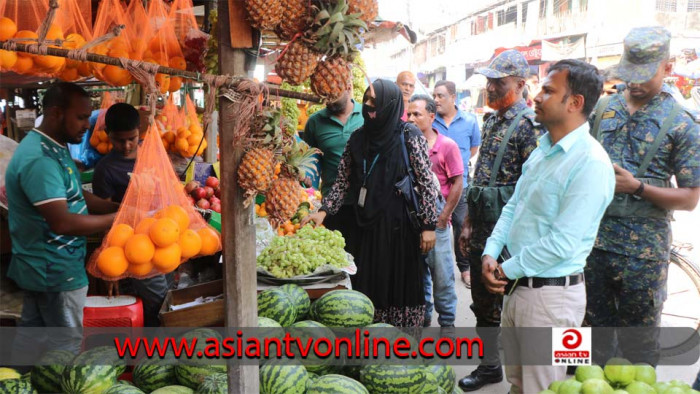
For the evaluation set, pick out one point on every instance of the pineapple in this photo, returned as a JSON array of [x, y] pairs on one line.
[[368, 9], [297, 63], [264, 14], [285, 194], [331, 78], [296, 18]]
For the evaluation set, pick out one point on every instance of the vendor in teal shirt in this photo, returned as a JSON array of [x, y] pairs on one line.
[[49, 216]]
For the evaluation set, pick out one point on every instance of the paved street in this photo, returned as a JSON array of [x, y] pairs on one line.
[[685, 230]]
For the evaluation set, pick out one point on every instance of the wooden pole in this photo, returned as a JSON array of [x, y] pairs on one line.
[[240, 280]]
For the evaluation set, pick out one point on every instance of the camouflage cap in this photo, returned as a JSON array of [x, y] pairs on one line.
[[508, 63], [645, 49]]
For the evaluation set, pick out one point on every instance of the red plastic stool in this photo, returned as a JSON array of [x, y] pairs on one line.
[[119, 311]]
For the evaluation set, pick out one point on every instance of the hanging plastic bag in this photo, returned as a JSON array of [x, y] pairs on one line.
[[99, 138], [192, 40], [156, 228], [163, 47], [111, 13]]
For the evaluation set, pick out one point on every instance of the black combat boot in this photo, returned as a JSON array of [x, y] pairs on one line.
[[480, 377]]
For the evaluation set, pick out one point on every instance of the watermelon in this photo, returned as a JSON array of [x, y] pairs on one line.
[[16, 386], [121, 388], [283, 379], [47, 374], [93, 371], [457, 390], [174, 389], [444, 374], [152, 374], [430, 384], [266, 322], [336, 384], [311, 380], [193, 375], [278, 306], [214, 384], [9, 373], [308, 329], [202, 334], [343, 308], [442, 391], [379, 378], [300, 297]]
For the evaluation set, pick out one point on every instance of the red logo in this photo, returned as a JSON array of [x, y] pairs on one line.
[[571, 339]]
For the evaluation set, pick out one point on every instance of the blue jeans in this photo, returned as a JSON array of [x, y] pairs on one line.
[[53, 309], [439, 274]]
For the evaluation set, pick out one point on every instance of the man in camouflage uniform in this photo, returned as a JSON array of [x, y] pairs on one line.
[[506, 80], [649, 138]]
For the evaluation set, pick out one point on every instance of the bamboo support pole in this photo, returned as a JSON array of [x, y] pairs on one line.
[[195, 76]]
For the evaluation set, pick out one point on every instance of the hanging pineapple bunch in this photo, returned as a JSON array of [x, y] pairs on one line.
[[264, 14], [257, 168], [285, 193]]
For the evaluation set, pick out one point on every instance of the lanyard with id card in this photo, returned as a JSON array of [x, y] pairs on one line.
[[363, 189]]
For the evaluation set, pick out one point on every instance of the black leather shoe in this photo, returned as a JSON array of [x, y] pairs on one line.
[[480, 377]]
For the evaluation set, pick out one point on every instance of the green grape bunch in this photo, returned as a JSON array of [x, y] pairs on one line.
[[303, 253]]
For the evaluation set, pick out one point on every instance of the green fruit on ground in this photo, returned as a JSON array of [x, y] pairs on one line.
[[674, 390], [266, 322], [430, 384], [214, 384], [93, 371], [278, 306], [380, 378], [596, 386], [121, 388], [174, 389], [620, 391], [547, 392], [338, 384], [343, 308], [679, 383], [457, 390], [554, 386], [619, 372], [645, 373], [639, 388], [300, 297], [307, 330], [444, 374], [16, 386], [660, 387], [586, 372], [283, 379], [193, 375], [152, 374], [47, 374], [9, 373], [201, 334], [571, 386]]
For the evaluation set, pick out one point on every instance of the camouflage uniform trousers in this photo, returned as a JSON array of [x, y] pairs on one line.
[[625, 291], [487, 309]]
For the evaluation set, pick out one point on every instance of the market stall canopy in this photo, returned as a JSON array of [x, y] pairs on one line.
[[532, 52], [381, 31]]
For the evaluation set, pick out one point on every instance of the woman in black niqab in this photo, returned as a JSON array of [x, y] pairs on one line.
[[388, 248]]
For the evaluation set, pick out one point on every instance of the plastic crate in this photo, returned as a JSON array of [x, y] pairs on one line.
[[120, 311]]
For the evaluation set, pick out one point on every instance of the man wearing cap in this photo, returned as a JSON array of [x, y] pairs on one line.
[[650, 138], [509, 135], [463, 128]]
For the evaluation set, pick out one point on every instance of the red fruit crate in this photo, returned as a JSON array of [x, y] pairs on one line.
[[119, 311]]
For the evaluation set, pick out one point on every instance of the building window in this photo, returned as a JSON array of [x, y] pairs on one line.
[[666, 5], [693, 5], [524, 13], [562, 6], [543, 8]]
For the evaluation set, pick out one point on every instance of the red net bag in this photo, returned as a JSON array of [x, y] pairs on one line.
[[111, 13], [192, 131], [21, 20], [192, 40], [99, 138], [70, 18], [139, 29], [163, 47], [156, 228], [170, 122]]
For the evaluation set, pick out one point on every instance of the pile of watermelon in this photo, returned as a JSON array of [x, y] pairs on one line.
[[289, 306]]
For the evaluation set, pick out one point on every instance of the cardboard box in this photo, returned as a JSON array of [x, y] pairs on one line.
[[210, 314]]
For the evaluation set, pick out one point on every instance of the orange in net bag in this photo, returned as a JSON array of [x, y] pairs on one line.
[[111, 13], [192, 40], [156, 228], [139, 29], [20, 21], [163, 47], [196, 143], [70, 19], [99, 138], [170, 122]]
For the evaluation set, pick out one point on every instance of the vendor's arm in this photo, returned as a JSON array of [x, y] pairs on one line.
[[99, 206], [583, 203], [62, 222], [418, 157]]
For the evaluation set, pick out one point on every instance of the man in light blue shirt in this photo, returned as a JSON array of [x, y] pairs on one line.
[[464, 130], [550, 224]]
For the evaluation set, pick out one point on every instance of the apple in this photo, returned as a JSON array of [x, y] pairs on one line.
[[212, 182], [191, 185], [199, 193], [214, 199], [209, 190], [216, 207], [203, 204]]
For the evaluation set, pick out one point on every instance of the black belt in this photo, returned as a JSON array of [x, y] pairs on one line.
[[536, 283]]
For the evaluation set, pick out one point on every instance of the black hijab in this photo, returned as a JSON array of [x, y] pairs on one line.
[[379, 138]]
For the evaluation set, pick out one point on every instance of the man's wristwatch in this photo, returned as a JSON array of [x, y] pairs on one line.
[[639, 190]]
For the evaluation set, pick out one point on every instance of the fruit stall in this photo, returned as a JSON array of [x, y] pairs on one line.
[[248, 205]]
